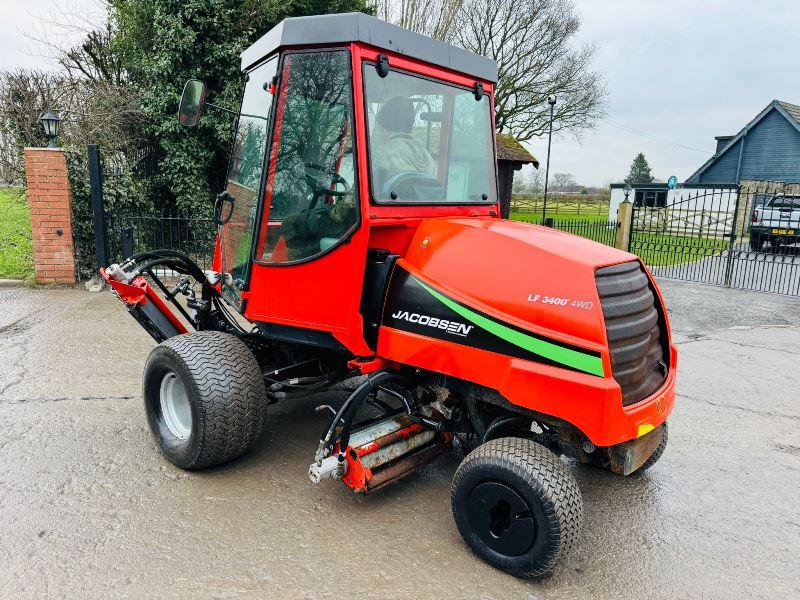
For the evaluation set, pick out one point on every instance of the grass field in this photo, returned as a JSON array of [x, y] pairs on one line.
[[16, 249], [530, 216], [663, 250], [656, 250]]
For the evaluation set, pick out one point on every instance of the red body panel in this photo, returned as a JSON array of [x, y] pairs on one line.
[[324, 293], [140, 292], [502, 268], [459, 257]]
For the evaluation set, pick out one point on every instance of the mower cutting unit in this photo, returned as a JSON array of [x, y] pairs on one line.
[[359, 236]]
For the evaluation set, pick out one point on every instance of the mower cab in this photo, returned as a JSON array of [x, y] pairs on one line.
[[359, 234]]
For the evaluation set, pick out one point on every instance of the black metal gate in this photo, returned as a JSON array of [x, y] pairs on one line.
[[122, 231], [712, 235]]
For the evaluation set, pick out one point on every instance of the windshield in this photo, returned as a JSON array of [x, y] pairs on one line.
[[429, 142], [785, 202], [244, 177]]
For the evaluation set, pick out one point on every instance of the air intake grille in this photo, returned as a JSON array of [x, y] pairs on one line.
[[636, 330]]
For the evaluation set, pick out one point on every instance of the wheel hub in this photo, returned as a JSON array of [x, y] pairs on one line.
[[175, 406], [501, 518]]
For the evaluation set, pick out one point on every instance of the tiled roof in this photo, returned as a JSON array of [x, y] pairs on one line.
[[792, 109]]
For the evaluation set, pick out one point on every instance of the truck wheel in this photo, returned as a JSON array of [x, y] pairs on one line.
[[656, 453], [756, 243], [204, 397], [517, 506]]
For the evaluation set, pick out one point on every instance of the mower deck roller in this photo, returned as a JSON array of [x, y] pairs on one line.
[[388, 450], [359, 236]]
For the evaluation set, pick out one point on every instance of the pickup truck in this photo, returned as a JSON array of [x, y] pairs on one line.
[[776, 222]]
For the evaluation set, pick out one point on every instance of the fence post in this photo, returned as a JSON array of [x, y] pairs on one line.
[[624, 222], [732, 244], [96, 182], [127, 242]]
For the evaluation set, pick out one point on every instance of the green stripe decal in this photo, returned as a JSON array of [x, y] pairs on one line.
[[565, 356]]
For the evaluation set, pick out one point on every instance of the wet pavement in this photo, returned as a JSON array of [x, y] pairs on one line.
[[88, 508]]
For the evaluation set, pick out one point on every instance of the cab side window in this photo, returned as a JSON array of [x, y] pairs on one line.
[[311, 186]]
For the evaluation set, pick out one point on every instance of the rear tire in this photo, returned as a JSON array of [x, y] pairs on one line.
[[517, 506], [756, 243], [205, 398]]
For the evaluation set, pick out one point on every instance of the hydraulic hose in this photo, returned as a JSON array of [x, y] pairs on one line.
[[348, 410]]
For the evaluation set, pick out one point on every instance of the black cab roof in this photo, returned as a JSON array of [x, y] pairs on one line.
[[358, 27]]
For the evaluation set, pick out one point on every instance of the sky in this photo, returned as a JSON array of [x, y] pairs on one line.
[[678, 73]]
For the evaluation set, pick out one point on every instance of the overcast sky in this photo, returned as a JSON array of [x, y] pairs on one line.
[[679, 72]]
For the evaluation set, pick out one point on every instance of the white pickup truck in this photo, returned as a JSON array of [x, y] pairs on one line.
[[776, 222]]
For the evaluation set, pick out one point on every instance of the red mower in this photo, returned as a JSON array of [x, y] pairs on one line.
[[359, 236]]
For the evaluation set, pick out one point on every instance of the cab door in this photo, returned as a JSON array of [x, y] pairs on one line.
[[245, 180], [310, 254]]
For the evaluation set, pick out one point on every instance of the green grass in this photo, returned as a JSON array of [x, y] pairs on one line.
[[518, 215], [16, 248], [656, 250], [664, 250]]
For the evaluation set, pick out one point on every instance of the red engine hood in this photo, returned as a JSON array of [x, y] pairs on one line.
[[533, 277]]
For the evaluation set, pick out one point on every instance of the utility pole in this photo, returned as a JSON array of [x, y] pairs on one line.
[[551, 100]]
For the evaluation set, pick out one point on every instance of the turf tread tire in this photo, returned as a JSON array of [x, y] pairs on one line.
[[553, 485], [226, 389]]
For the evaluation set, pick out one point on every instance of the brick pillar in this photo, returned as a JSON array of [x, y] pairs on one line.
[[50, 201]]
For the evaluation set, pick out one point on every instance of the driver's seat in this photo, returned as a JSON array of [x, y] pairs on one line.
[[412, 186]]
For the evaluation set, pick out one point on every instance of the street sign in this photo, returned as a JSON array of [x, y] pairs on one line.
[[672, 182]]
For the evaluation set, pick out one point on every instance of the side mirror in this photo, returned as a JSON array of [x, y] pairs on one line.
[[192, 101]]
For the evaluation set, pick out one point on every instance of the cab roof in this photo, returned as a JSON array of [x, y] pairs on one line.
[[358, 27]]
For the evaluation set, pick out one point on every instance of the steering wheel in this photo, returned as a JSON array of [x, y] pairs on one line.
[[321, 185]]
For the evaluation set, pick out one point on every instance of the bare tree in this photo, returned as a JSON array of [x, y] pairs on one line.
[[79, 41], [88, 91], [92, 111], [534, 46], [529, 181], [535, 182], [24, 96], [95, 59], [563, 180], [434, 18]]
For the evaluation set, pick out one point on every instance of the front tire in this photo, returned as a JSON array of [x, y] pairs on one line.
[[517, 506], [204, 397]]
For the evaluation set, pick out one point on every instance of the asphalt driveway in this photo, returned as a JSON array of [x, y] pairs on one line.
[[88, 507]]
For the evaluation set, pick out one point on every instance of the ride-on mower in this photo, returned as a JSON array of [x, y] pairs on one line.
[[359, 236]]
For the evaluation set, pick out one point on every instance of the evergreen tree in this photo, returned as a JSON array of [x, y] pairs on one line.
[[640, 171], [162, 43]]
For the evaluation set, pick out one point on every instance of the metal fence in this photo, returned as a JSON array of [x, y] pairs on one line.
[[128, 235], [602, 231], [716, 236], [110, 234]]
